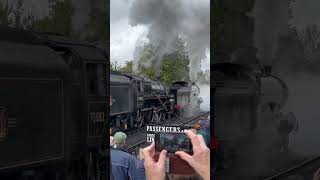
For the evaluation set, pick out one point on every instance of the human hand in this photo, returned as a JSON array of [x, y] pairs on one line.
[[200, 160], [154, 170], [316, 175]]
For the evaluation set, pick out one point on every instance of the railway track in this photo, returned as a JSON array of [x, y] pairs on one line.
[[300, 171], [133, 148]]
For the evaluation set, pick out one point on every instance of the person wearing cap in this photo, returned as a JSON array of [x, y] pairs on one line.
[[124, 165]]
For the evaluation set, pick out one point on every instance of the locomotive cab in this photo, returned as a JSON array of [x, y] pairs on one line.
[[121, 92], [86, 103]]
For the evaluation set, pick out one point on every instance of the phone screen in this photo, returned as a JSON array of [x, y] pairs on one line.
[[173, 142]]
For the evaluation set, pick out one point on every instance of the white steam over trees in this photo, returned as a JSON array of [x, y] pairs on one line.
[[169, 20]]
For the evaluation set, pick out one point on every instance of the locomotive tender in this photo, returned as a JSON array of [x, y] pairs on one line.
[[53, 108], [136, 100]]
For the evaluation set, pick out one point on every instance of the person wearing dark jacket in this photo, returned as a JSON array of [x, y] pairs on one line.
[[124, 165]]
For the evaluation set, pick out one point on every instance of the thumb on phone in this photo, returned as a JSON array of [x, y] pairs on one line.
[[162, 157]]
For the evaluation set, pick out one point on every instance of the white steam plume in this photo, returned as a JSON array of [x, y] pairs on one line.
[[169, 19]]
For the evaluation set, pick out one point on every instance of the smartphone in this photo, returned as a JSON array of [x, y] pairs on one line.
[[173, 142]]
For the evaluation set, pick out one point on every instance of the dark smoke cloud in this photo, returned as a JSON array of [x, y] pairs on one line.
[[169, 19]]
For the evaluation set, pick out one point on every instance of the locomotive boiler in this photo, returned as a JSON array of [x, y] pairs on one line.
[[249, 108]]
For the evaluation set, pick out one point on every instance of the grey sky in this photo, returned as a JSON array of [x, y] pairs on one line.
[[123, 37]]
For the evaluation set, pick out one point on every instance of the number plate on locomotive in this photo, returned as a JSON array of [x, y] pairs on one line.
[[97, 119]]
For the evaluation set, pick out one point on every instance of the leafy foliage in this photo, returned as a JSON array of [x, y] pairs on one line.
[[114, 66], [59, 20], [6, 11], [174, 70], [299, 51], [310, 38], [98, 24], [128, 68]]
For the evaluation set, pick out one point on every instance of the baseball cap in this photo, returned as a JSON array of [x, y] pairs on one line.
[[119, 137]]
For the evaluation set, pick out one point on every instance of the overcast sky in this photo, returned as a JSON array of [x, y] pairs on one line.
[[124, 38]]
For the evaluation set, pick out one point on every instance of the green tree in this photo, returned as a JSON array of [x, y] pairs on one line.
[[6, 11], [59, 20], [232, 30], [148, 72], [174, 66], [310, 38], [97, 28], [174, 70], [114, 66], [128, 68]]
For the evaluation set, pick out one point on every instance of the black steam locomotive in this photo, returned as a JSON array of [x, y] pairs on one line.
[[53, 107], [136, 100], [250, 115]]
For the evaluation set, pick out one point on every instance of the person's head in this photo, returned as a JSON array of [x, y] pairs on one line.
[[119, 138], [197, 126]]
